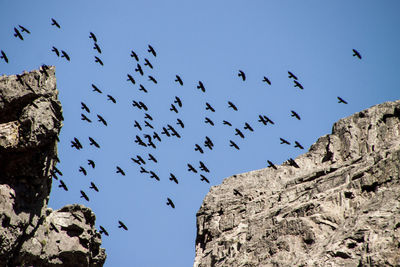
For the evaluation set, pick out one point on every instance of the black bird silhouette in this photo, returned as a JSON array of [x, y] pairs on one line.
[[297, 144], [92, 36], [198, 148], [173, 108], [83, 195], [76, 143], [191, 168], [55, 50], [231, 105], [174, 132], [154, 175], [55, 23], [95, 89], [101, 119], [137, 125], [172, 177], [122, 225], [170, 203], [179, 122], [356, 54], [208, 120], [241, 74], [147, 63], [94, 187], [121, 171], [151, 50], [238, 132], [150, 143], [109, 97], [139, 160], [91, 163], [151, 157], [147, 116], [44, 70], [23, 29], [139, 141], [64, 54], [139, 69], [143, 170], [201, 87], [341, 100], [291, 75], [136, 104], [293, 163], [156, 136], [98, 60], [283, 141], [208, 143], [103, 231], [151, 78], [266, 80], [56, 170], [237, 193], [84, 118], [63, 185], [142, 105], [294, 114], [4, 56], [134, 55], [165, 131], [297, 84], [226, 123], [248, 127], [141, 88], [82, 170], [18, 34], [203, 167], [209, 107], [270, 164], [85, 107], [203, 178], [147, 124], [93, 142], [233, 144], [97, 47], [178, 79], [178, 101], [264, 119], [53, 174]]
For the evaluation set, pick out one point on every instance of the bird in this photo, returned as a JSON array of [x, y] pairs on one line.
[[156, 136], [57, 171], [151, 157], [121, 171], [142, 105], [178, 79], [208, 143], [143, 170], [173, 178], [231, 105], [283, 141], [191, 168], [95, 89], [147, 124], [226, 123], [271, 165], [84, 118], [97, 47], [341, 100], [203, 178], [203, 167], [151, 78], [18, 34], [356, 54], [98, 60], [237, 193], [238, 132], [248, 127], [264, 119], [151, 50], [154, 175], [165, 131], [170, 203], [83, 195], [63, 185], [44, 70], [266, 80], [139, 69], [4, 56], [179, 122], [85, 107], [147, 63], [241, 74], [293, 163], [109, 97], [92, 36], [136, 104], [55, 50], [93, 142], [198, 148], [101, 119], [173, 108], [297, 144], [291, 75], [141, 88], [76, 143], [297, 84], [122, 225], [178, 101], [209, 107], [94, 187], [134, 55], [82, 170], [103, 231], [64, 54], [294, 114], [137, 125], [139, 160], [139, 141], [55, 23], [147, 116], [201, 87], [233, 144], [174, 132], [209, 121], [91, 163]]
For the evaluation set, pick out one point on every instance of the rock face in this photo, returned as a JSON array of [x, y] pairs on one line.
[[32, 234], [340, 207]]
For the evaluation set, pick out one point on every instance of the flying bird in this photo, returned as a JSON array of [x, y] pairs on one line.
[[174, 132], [56, 170], [226, 123], [191, 168], [179, 122], [294, 114], [98, 60], [63, 185], [237, 193], [248, 127], [208, 143], [238, 132], [76, 143], [151, 50], [178, 79], [172, 177], [209, 121], [297, 144], [142, 105], [203, 178], [201, 87], [95, 89], [93, 142], [266, 80], [139, 69], [231, 105], [23, 29], [147, 116], [91, 163], [209, 107], [55, 23], [139, 160], [156, 136], [178, 101], [121, 171], [356, 54], [203, 167], [134, 55], [293, 163], [233, 144], [84, 118], [291, 75], [264, 119], [92, 36], [139, 141], [147, 124], [137, 125], [154, 175], [341, 100], [151, 78], [85, 107], [4, 56], [170, 203], [18, 34], [97, 47], [283, 141], [143, 170], [122, 225], [101, 119], [103, 231], [151, 157], [64, 54], [141, 88], [165, 131], [109, 97], [83, 195], [94, 187], [297, 84], [198, 148], [55, 50], [241, 74], [173, 108], [271, 165], [147, 63], [82, 170]]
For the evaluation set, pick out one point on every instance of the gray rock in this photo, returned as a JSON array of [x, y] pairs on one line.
[[30, 233], [341, 207]]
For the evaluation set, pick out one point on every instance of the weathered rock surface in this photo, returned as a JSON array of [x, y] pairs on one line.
[[341, 207], [32, 234]]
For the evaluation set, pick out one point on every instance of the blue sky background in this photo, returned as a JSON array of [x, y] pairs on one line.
[[199, 40]]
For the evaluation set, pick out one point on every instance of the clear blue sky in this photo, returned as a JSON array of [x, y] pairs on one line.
[[199, 40]]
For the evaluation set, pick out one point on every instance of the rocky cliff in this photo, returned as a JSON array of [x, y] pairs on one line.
[[336, 205], [32, 234]]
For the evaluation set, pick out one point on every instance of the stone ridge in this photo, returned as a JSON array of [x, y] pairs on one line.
[[340, 207], [32, 234]]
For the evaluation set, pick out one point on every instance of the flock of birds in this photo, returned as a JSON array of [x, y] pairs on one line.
[[150, 139]]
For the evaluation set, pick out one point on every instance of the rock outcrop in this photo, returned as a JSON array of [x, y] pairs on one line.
[[32, 234], [339, 207]]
